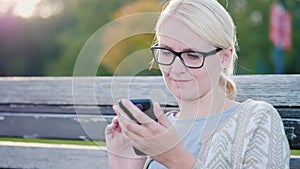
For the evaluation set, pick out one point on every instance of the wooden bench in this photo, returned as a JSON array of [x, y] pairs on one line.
[[80, 108]]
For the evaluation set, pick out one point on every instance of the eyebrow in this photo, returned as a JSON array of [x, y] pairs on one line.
[[168, 47]]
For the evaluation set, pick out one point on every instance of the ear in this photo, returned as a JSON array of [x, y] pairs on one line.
[[225, 57]]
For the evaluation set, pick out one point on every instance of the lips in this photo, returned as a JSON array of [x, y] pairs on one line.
[[180, 80]]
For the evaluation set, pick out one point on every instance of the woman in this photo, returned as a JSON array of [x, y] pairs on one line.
[[196, 53]]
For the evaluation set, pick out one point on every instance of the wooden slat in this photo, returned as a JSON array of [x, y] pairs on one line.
[[41, 157], [58, 126], [279, 90], [86, 127]]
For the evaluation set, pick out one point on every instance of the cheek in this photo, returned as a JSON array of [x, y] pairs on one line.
[[165, 76], [202, 80], [164, 69], [207, 77]]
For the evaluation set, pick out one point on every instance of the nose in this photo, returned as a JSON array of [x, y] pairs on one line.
[[177, 66]]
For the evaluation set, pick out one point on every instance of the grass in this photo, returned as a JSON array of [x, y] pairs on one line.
[[78, 142], [54, 141], [295, 152]]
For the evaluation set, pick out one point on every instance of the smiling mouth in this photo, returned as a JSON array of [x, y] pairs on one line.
[[179, 80]]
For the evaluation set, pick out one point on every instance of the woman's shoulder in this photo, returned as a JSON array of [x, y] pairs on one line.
[[257, 105], [258, 109]]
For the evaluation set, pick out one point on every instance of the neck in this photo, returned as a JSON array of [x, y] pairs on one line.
[[213, 102]]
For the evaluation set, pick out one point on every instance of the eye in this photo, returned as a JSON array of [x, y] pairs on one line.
[[166, 53], [193, 55]]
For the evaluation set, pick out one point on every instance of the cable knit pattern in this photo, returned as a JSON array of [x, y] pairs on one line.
[[252, 137]]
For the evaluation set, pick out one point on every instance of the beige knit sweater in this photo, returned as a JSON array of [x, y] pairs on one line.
[[252, 137]]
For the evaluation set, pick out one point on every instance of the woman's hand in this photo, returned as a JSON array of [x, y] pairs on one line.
[[156, 139], [120, 152]]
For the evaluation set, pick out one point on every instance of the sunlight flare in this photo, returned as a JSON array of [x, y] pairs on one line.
[[26, 8]]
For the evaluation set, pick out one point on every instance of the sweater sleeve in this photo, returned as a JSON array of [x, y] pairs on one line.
[[268, 146]]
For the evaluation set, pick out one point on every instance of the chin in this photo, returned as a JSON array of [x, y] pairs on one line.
[[186, 97], [187, 94]]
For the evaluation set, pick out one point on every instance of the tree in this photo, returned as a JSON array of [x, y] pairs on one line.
[[87, 17], [136, 46]]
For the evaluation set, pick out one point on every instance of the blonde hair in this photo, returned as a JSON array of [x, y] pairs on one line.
[[211, 22]]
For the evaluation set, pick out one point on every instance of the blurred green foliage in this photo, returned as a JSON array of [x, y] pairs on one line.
[[49, 47], [252, 19]]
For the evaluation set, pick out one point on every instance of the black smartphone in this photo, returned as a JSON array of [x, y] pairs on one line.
[[145, 105]]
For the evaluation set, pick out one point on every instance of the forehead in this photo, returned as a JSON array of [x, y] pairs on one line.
[[174, 33]]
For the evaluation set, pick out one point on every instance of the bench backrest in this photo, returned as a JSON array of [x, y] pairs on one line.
[[80, 107]]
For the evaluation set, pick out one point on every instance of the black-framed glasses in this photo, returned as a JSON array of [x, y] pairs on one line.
[[189, 58]]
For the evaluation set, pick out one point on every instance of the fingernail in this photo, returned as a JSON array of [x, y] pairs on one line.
[[125, 101]]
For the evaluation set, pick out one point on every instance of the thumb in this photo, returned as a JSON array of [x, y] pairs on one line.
[[160, 115]]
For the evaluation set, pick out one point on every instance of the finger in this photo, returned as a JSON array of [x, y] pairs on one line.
[[123, 120], [115, 123], [109, 131], [115, 119], [120, 116], [112, 127], [130, 128], [160, 115], [119, 112]]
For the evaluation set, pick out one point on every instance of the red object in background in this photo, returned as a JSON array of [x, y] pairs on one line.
[[280, 27]]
